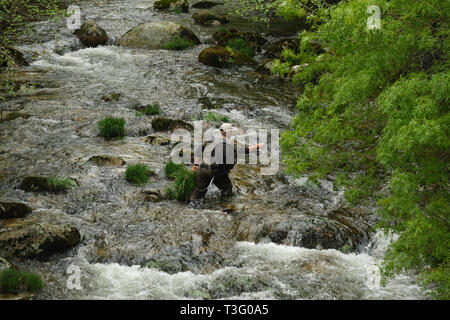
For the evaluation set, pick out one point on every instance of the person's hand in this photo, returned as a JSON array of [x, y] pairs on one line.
[[261, 145], [194, 167]]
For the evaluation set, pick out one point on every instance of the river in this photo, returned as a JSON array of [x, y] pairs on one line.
[[121, 231]]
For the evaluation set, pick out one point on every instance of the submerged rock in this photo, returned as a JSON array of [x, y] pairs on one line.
[[38, 240], [164, 124], [181, 5], [206, 17], [91, 34], [105, 160], [155, 35], [13, 210]]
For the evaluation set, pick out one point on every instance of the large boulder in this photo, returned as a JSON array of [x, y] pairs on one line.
[[155, 35], [219, 57], [206, 18], [91, 34], [13, 210], [38, 240], [181, 5]]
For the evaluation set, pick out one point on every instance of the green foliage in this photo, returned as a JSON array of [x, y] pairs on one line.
[[14, 281], [374, 112], [183, 185], [179, 43], [152, 110], [33, 281], [171, 168], [59, 185], [15, 19], [215, 117], [10, 280], [266, 11], [137, 174], [241, 45], [111, 127]]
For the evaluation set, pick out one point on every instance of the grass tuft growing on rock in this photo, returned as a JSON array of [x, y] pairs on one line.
[[241, 45], [14, 281], [111, 127], [171, 169], [183, 185], [152, 110], [179, 43], [215, 117], [137, 174], [59, 185]]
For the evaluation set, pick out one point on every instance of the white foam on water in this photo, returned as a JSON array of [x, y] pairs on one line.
[[295, 272]]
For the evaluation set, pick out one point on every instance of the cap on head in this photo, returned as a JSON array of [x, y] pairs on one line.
[[227, 127]]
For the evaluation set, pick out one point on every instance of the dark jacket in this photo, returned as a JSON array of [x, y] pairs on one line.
[[226, 161]]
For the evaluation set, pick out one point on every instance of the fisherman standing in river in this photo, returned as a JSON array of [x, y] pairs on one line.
[[223, 158]]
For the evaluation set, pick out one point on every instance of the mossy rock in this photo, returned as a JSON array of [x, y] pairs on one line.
[[206, 18], [35, 184], [104, 160], [215, 57], [42, 184], [157, 140], [176, 5], [156, 35], [12, 115], [91, 34], [221, 57], [164, 124], [13, 210], [38, 240], [255, 41]]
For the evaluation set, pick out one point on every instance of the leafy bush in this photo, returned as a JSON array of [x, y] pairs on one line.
[[241, 45], [179, 43], [215, 117], [59, 185], [137, 174], [112, 127], [374, 112], [183, 185], [171, 169], [14, 281]]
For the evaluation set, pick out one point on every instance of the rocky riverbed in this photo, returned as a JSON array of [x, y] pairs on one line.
[[277, 238]]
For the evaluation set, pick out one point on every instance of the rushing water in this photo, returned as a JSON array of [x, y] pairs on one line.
[[121, 231]]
